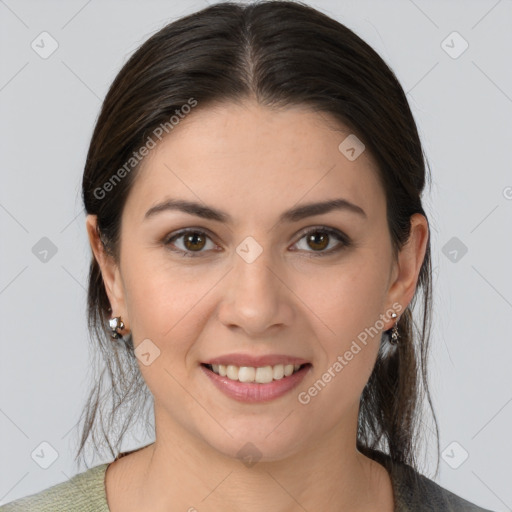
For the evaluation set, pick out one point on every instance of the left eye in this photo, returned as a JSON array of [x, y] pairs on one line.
[[320, 238], [195, 240]]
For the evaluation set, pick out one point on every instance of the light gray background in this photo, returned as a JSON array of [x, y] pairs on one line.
[[463, 107]]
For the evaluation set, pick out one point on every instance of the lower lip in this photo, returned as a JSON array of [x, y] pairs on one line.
[[254, 392]]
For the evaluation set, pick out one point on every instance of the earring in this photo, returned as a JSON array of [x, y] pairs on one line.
[[394, 331], [115, 324]]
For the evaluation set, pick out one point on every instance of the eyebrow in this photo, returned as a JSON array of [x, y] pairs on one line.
[[292, 215]]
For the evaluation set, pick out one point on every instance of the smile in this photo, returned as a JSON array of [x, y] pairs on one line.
[[255, 384]]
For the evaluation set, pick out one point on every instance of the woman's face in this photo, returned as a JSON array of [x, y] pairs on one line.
[[255, 283]]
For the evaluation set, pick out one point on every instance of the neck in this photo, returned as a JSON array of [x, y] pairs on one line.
[[181, 472]]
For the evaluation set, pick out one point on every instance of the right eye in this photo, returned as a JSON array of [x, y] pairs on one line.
[[192, 239]]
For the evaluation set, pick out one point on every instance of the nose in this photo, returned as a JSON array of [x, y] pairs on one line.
[[256, 296]]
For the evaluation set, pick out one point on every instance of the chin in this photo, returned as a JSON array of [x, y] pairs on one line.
[[252, 445]]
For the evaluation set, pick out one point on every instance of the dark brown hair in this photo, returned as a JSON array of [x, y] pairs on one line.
[[277, 53]]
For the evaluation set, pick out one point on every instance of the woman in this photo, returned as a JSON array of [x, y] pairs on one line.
[[253, 189]]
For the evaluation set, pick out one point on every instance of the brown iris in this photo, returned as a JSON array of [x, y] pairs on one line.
[[321, 240], [194, 241]]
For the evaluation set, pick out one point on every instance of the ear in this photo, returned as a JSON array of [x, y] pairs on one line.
[[410, 259], [109, 271]]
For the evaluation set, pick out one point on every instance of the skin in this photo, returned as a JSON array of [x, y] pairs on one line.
[[254, 163]]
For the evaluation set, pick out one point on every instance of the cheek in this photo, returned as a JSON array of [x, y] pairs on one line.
[[161, 296], [349, 310], [164, 307], [167, 305], [348, 297], [350, 304]]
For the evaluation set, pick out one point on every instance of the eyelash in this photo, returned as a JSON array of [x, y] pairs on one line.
[[338, 235]]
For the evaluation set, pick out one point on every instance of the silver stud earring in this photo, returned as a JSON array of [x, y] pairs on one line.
[[393, 339], [115, 324]]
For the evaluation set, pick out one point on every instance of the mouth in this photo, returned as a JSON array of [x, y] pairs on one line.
[[255, 384], [252, 374]]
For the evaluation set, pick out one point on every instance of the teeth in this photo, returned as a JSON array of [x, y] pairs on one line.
[[232, 372], [264, 375], [246, 374], [278, 372], [260, 375]]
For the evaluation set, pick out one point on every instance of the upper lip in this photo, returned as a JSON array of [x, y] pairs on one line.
[[255, 361]]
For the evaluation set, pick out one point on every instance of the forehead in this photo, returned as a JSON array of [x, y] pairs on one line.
[[248, 158]]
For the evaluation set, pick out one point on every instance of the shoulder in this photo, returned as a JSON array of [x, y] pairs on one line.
[[415, 492], [84, 492], [418, 492]]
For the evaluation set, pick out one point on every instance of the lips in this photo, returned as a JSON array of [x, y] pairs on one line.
[[254, 392]]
